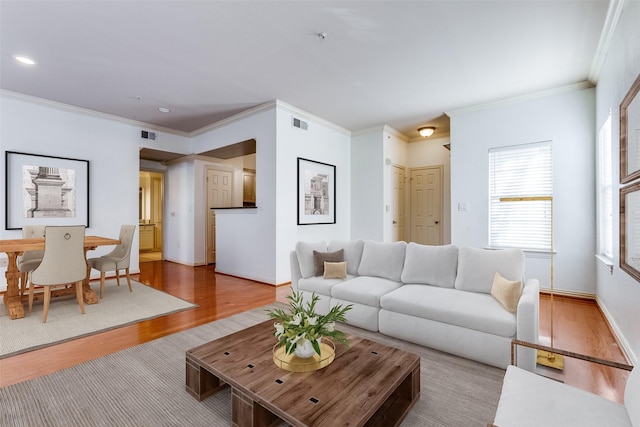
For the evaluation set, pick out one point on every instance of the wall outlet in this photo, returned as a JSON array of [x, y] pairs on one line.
[[4, 262]]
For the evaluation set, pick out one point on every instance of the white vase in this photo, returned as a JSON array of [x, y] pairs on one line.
[[304, 349]]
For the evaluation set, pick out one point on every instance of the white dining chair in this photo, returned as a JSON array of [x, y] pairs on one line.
[[63, 263], [116, 260], [29, 260]]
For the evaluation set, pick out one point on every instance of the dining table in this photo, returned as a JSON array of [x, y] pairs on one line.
[[16, 247]]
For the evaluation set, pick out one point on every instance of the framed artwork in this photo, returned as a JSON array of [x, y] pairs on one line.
[[630, 134], [45, 190], [630, 230], [316, 192]]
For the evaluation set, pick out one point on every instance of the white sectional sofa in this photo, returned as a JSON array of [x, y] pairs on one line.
[[436, 296], [530, 400]]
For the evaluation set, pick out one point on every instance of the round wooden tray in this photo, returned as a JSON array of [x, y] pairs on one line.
[[293, 363]]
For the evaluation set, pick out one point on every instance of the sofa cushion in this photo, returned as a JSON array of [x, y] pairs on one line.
[[352, 253], [477, 267], [431, 265], [319, 258], [530, 400], [335, 270], [506, 292], [471, 310], [365, 290], [304, 251], [320, 285], [384, 260]]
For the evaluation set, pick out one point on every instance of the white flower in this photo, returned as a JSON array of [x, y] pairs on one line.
[[330, 326], [297, 318], [296, 338], [279, 329], [312, 320]]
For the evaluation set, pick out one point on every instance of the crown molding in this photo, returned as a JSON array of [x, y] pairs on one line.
[[85, 111], [236, 117], [518, 99], [610, 23], [310, 117]]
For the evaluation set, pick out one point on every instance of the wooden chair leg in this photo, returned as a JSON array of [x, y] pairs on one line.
[[79, 296], [30, 296], [47, 299], [128, 279], [23, 283], [118, 277], [101, 283]]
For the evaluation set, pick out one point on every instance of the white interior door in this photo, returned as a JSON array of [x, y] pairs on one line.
[[397, 209], [426, 205], [218, 195]]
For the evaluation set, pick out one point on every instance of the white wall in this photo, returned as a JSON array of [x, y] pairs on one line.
[[618, 293], [567, 119], [41, 127], [367, 183], [322, 142], [245, 238]]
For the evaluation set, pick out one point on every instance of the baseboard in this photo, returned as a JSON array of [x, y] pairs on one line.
[[617, 333], [568, 294]]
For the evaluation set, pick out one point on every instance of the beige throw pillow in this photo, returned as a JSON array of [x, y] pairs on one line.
[[507, 292], [335, 270]]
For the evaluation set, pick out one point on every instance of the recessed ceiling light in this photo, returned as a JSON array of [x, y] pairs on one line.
[[24, 60], [163, 110]]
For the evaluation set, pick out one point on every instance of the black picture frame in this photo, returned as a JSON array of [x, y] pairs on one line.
[[42, 189], [316, 192]]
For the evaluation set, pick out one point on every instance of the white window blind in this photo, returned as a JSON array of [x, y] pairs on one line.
[[605, 191], [521, 172]]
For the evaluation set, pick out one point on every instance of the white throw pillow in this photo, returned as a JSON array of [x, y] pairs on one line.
[[431, 265], [507, 292], [477, 267], [384, 260], [352, 253], [304, 251]]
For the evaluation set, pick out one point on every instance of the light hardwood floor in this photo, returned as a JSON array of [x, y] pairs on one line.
[[579, 326]]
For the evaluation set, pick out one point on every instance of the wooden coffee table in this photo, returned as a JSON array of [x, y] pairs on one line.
[[367, 384]]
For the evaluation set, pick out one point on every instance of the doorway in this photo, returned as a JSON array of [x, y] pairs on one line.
[[151, 202], [219, 192], [426, 197]]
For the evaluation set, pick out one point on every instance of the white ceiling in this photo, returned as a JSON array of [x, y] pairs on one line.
[[399, 63]]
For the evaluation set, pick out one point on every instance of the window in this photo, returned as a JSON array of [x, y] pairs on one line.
[[524, 173], [605, 191]]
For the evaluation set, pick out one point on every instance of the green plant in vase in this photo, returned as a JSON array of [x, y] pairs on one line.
[[302, 324]]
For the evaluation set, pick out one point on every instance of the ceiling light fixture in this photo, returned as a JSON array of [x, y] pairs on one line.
[[426, 131], [163, 110], [24, 60]]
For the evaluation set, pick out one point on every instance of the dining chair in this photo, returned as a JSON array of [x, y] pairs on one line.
[[29, 260], [116, 260], [63, 263]]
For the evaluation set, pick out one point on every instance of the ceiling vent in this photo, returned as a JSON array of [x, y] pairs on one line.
[[301, 124], [148, 135]]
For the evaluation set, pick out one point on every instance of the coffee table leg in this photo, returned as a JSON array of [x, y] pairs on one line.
[[247, 413], [201, 383]]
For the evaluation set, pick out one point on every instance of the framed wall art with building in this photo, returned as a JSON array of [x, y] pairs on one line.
[[316, 192], [41, 189]]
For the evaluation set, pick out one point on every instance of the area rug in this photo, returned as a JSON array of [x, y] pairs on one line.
[[145, 386], [117, 308]]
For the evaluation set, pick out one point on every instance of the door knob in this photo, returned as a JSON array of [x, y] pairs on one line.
[[437, 222]]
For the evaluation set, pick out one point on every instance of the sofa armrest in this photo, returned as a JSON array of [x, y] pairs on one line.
[[295, 270], [527, 323]]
